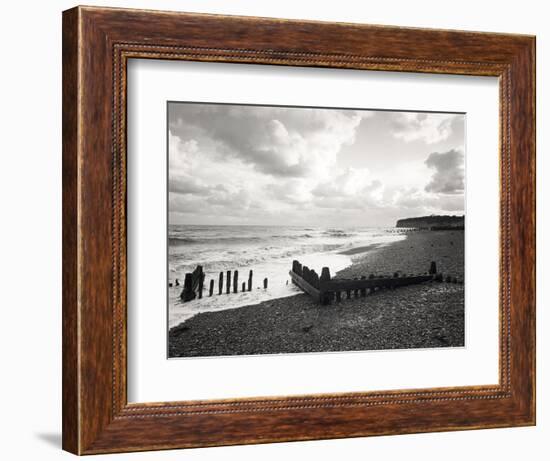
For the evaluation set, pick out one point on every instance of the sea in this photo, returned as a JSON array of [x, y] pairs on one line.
[[266, 250]]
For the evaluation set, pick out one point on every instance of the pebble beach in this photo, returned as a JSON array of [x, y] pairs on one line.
[[417, 316]]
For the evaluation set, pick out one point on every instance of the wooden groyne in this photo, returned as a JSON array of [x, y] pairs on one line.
[[194, 284], [324, 289]]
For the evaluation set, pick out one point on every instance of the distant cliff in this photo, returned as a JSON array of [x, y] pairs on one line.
[[433, 222]]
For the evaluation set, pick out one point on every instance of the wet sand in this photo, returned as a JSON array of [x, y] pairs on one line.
[[418, 316]]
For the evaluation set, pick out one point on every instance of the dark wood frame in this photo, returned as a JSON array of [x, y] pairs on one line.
[[97, 43]]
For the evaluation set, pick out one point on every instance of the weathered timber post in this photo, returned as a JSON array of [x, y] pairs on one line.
[[235, 281], [228, 282], [326, 297], [265, 283], [314, 279], [325, 274], [356, 290], [250, 280], [244, 286], [211, 291], [363, 290], [338, 296], [220, 284], [201, 284], [433, 268], [188, 293]]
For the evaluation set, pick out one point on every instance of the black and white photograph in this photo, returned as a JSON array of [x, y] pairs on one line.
[[309, 229], [275, 230]]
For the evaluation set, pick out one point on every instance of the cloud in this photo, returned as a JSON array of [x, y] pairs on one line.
[[233, 164], [187, 185], [426, 202], [448, 177], [280, 141], [347, 183], [428, 127], [291, 191]]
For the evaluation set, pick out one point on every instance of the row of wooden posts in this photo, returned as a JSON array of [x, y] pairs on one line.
[[324, 289], [193, 285]]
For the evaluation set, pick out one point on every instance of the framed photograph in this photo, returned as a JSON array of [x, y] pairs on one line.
[[282, 230]]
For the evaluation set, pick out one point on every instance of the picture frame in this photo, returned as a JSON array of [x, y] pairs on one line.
[[97, 44]]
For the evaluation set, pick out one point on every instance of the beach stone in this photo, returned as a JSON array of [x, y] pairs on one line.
[[409, 317], [179, 329]]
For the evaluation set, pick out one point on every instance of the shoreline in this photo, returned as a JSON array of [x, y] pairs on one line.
[[276, 271], [361, 249], [414, 317]]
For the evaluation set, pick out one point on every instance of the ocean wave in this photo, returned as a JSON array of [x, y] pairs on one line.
[[180, 240], [339, 233], [229, 259], [177, 241]]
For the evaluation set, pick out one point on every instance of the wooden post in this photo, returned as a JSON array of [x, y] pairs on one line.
[[295, 266], [338, 296], [325, 274], [325, 277], [235, 281], [228, 282], [314, 279], [211, 292], [201, 283], [188, 293], [244, 286], [356, 291], [220, 284], [363, 290], [433, 268], [250, 280], [265, 283], [188, 283]]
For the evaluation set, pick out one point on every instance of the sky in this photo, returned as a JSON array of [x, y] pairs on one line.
[[266, 165]]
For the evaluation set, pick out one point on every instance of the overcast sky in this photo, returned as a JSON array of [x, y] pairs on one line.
[[232, 164]]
